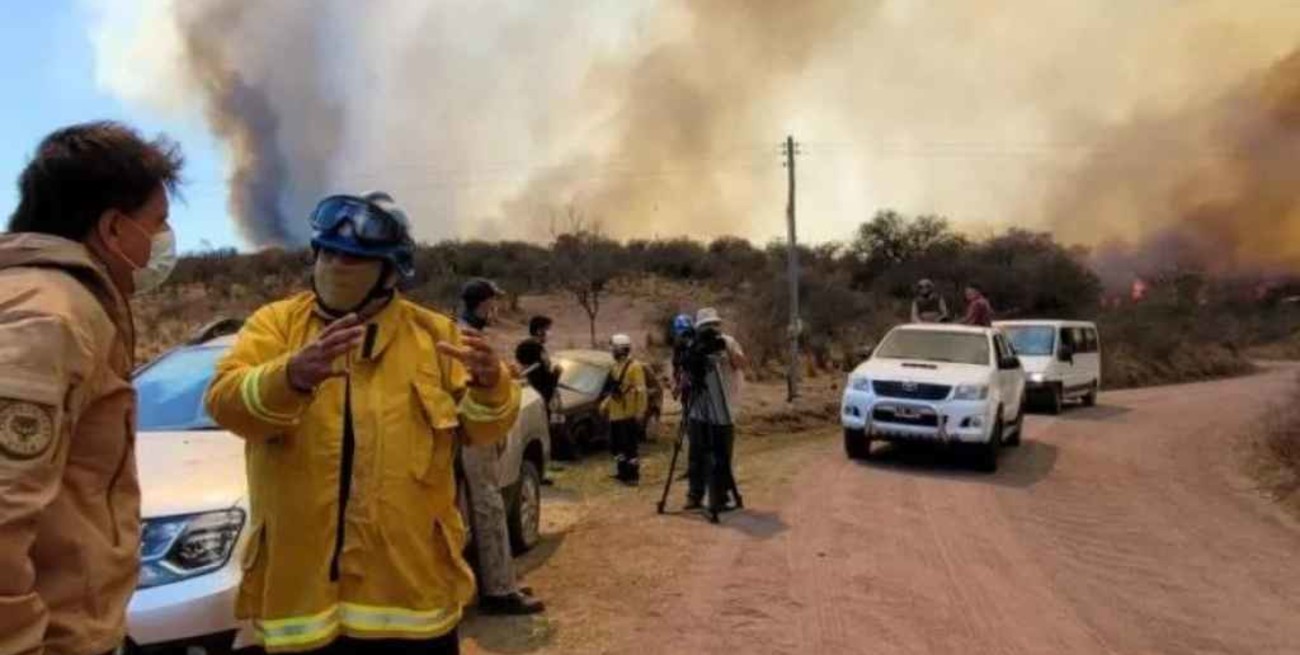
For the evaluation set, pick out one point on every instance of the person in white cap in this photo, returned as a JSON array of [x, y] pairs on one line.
[[625, 403], [716, 377]]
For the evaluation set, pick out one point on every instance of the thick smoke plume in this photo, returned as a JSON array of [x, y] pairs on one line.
[[277, 155], [1214, 186], [690, 108], [1156, 122]]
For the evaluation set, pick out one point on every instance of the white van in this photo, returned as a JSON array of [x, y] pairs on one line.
[[1062, 360]]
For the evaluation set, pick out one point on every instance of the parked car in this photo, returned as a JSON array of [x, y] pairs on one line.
[[576, 422], [936, 383], [1062, 360], [195, 502]]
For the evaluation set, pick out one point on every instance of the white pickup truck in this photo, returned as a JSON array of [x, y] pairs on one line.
[[937, 383]]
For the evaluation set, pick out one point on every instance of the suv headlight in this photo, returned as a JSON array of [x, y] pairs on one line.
[[971, 392], [177, 548], [860, 384]]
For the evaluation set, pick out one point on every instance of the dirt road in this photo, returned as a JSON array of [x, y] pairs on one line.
[[1127, 528]]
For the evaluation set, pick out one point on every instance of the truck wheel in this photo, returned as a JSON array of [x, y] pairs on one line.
[[856, 444], [1090, 400], [650, 431], [1018, 425], [524, 517], [562, 445], [988, 455], [581, 434], [1056, 401]]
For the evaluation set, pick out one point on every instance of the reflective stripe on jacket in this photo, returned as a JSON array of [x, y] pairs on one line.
[[69, 496], [393, 566], [630, 402]]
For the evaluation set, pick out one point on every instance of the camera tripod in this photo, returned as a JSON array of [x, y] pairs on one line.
[[682, 431]]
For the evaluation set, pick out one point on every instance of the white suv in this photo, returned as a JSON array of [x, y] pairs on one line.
[[195, 503], [937, 383]]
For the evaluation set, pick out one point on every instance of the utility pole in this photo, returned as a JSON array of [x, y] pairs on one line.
[[790, 149]]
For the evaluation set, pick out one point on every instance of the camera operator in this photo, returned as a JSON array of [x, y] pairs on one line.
[[714, 362]]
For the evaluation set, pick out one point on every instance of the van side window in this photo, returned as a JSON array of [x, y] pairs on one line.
[[1090, 340], [1067, 339], [1080, 341]]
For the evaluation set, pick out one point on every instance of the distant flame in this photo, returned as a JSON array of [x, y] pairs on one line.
[[1139, 290]]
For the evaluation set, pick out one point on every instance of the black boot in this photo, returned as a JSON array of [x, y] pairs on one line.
[[512, 604]]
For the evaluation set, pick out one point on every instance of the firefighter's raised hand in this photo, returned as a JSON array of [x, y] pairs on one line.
[[314, 364], [478, 357]]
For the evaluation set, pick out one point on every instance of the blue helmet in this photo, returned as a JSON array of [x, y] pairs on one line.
[[682, 324], [370, 225]]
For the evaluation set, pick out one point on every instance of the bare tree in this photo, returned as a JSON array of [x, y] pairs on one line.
[[586, 262]]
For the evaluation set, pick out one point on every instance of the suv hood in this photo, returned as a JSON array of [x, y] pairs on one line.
[[187, 472], [923, 372]]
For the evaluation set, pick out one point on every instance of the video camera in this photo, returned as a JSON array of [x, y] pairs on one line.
[[694, 353]]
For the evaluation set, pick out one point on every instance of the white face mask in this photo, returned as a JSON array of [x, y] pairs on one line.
[[162, 260]]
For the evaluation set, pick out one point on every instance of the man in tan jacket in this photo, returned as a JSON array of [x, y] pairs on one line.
[[89, 231]]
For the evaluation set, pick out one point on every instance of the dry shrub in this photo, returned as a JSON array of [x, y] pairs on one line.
[[1278, 453], [1154, 343]]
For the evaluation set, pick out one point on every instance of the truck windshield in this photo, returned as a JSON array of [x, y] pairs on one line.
[[1032, 340], [936, 346], [582, 377], [170, 391]]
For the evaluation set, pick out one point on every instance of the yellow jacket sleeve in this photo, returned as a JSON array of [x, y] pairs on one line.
[[486, 413], [250, 393]]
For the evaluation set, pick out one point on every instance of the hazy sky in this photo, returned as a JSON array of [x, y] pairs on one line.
[[659, 117], [48, 63]]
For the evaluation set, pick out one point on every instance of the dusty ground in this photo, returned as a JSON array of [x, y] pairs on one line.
[[1128, 528]]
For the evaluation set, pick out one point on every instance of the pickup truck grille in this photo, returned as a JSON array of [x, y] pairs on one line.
[[911, 390], [891, 415]]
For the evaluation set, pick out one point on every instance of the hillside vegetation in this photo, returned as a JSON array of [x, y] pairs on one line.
[[1187, 327]]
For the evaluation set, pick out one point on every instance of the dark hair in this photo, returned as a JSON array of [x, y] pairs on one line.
[[528, 353], [976, 286], [478, 290], [79, 172], [537, 324]]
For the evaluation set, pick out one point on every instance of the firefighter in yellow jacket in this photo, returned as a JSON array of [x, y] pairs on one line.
[[625, 403], [350, 399]]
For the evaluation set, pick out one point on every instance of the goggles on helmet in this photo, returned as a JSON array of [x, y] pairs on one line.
[[356, 218]]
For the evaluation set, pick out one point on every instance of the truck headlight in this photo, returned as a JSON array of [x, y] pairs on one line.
[[860, 384], [971, 392], [177, 548]]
